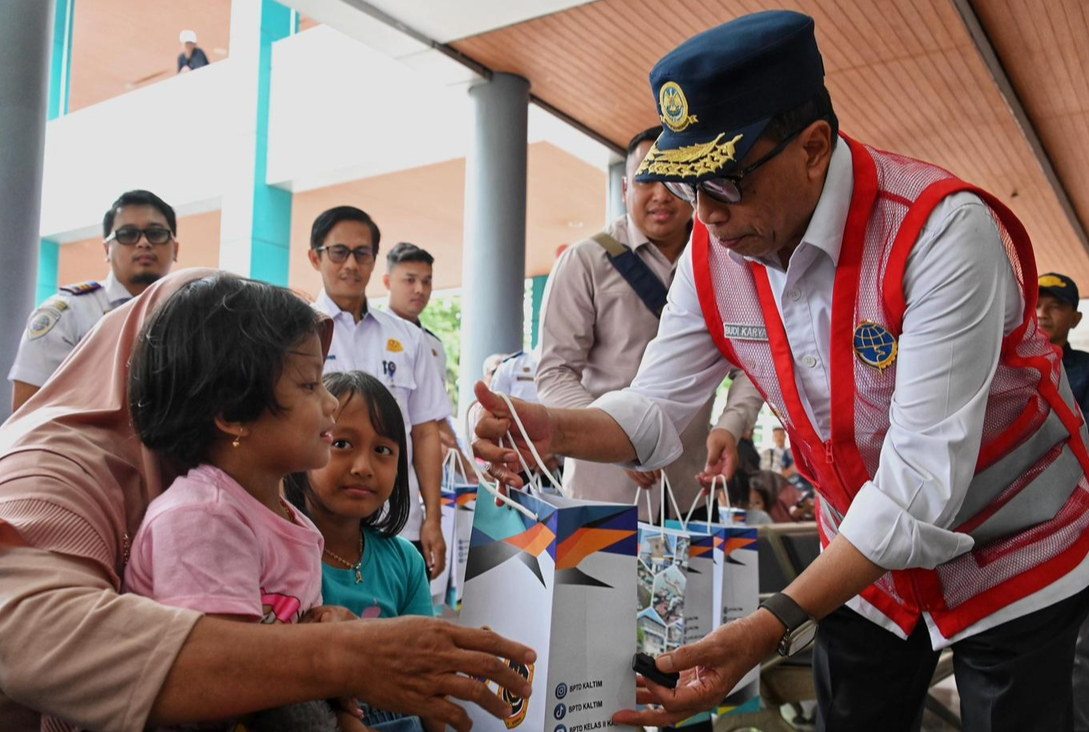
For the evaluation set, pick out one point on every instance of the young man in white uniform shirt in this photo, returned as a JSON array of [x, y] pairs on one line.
[[952, 464], [343, 246], [138, 234]]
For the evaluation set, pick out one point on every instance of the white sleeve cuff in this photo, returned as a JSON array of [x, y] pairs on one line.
[[650, 431], [892, 538]]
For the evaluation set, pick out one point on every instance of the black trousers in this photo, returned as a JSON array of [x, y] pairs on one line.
[[1015, 677]]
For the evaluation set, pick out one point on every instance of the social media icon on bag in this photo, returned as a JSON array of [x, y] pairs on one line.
[[560, 712], [561, 691]]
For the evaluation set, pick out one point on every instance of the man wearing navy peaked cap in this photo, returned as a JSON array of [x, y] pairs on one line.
[[886, 310]]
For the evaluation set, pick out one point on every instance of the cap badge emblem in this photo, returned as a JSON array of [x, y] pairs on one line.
[[674, 106]]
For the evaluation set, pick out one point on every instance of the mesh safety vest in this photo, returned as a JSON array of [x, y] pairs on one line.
[[1027, 506]]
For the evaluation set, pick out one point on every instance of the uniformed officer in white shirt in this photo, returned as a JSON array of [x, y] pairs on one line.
[[139, 239], [951, 463], [410, 280], [343, 246], [515, 376]]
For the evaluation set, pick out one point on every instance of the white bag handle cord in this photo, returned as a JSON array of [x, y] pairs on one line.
[[493, 489], [532, 448]]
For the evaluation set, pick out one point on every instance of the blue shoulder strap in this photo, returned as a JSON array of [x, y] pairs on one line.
[[635, 271]]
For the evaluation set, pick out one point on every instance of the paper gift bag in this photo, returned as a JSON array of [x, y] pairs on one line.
[[441, 584], [663, 578], [736, 585], [464, 506], [703, 584], [558, 575]]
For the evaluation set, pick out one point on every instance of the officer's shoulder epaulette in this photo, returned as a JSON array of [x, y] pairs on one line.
[[82, 288], [512, 357]]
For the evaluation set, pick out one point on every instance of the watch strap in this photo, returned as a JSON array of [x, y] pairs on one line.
[[786, 610]]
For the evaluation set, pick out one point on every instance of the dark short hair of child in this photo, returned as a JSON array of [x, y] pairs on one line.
[[215, 348], [385, 416]]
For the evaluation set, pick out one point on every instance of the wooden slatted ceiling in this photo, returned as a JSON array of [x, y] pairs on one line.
[[1044, 47], [904, 75]]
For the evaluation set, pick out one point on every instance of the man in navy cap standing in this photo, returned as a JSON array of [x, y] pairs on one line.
[[1057, 313], [886, 311]]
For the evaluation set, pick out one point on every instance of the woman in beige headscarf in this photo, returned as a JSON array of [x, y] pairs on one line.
[[74, 484]]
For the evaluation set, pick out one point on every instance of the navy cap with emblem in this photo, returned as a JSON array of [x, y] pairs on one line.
[[1060, 287], [717, 91]]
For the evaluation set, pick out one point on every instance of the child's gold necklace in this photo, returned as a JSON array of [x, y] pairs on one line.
[[357, 566]]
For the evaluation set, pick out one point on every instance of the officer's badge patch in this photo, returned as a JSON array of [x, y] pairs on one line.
[[674, 106], [874, 345], [394, 346], [82, 288], [42, 322]]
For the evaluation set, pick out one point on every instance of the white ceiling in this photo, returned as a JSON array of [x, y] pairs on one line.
[[440, 20]]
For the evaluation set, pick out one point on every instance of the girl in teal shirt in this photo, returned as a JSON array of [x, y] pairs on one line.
[[359, 502]]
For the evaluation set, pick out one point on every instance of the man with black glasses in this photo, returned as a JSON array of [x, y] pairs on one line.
[[343, 247], [139, 232], [886, 311]]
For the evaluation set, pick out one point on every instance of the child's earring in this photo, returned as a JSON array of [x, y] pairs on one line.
[[237, 440]]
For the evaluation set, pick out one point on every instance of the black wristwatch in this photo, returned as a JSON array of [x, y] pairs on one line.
[[800, 628]]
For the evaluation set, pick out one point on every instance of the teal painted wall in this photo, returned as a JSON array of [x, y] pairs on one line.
[[48, 265], [537, 297], [269, 260], [60, 73]]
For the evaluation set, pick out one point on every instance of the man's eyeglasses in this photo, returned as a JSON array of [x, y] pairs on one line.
[[130, 235], [338, 254], [726, 188]]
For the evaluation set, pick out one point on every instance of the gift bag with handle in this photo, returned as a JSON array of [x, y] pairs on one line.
[[459, 493], [440, 585], [663, 576], [558, 575], [703, 590], [737, 583]]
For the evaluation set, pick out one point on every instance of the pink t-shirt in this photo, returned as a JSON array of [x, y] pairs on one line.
[[208, 545]]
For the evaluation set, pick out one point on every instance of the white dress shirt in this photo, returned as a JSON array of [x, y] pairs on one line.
[[961, 298], [57, 327], [394, 352]]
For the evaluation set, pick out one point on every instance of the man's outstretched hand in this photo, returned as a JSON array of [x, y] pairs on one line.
[[493, 421]]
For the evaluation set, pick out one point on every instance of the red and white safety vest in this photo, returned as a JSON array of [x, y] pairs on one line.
[[1027, 506]]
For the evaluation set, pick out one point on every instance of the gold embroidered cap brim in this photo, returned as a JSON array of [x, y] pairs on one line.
[[690, 161]]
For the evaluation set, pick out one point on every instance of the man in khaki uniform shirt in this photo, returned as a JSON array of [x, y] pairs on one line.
[[595, 327]]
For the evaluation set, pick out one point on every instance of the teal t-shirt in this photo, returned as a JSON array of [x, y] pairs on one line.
[[394, 581]]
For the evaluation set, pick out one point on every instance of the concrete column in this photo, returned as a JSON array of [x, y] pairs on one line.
[[26, 37], [255, 223], [494, 263], [614, 204]]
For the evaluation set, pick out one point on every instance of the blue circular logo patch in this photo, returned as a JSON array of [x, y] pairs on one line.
[[874, 345]]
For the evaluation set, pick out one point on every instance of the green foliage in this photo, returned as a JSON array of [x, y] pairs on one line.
[[443, 318]]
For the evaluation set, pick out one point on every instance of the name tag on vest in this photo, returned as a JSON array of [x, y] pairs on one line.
[[745, 332]]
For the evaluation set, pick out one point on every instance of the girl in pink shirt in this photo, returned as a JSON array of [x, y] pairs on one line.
[[226, 383]]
